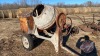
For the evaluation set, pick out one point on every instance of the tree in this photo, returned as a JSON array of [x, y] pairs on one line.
[[61, 4], [23, 3], [35, 2], [89, 3]]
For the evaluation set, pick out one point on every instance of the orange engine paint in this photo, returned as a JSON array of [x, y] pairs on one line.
[[30, 22], [24, 25]]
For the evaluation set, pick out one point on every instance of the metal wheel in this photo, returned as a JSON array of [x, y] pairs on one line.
[[64, 23], [61, 20]]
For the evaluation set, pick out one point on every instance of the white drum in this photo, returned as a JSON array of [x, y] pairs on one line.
[[44, 16]]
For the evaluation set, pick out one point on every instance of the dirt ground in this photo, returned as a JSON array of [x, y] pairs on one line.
[[11, 45]]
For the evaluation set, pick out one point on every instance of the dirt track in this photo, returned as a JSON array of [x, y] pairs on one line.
[[10, 42]]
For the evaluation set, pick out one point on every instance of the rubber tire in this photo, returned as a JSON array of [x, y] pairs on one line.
[[30, 39]]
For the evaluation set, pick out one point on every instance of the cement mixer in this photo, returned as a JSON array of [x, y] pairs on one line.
[[50, 23], [44, 22]]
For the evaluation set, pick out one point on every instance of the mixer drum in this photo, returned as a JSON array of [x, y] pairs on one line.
[[44, 16]]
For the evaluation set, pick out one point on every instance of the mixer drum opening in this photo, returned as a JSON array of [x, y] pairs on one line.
[[38, 10], [44, 16]]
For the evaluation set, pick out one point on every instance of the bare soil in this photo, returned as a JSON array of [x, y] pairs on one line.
[[11, 45]]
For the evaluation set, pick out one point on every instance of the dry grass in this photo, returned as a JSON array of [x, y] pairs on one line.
[[11, 45]]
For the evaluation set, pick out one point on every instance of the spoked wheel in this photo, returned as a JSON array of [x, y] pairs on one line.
[[61, 20], [64, 23], [68, 25], [28, 42]]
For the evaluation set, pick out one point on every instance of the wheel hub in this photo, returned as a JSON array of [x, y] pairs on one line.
[[25, 42]]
